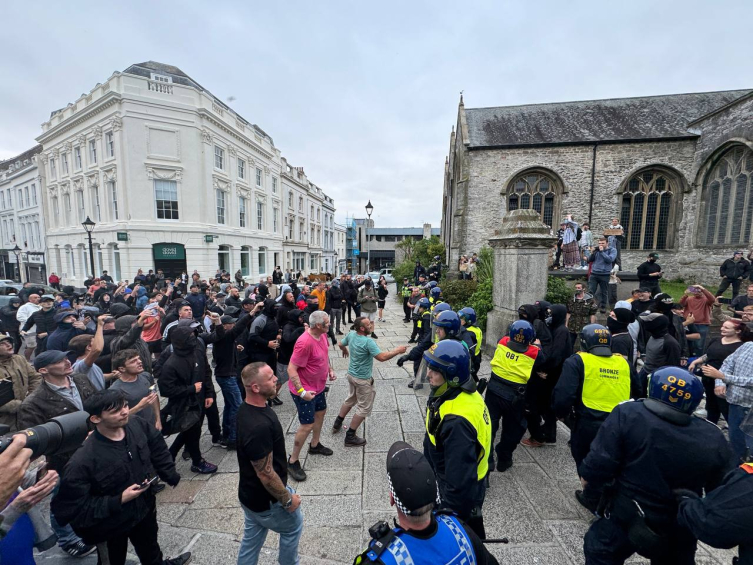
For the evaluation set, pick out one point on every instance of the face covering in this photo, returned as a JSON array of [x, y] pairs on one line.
[[615, 326], [65, 325]]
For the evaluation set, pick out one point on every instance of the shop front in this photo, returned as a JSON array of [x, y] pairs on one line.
[[171, 258]]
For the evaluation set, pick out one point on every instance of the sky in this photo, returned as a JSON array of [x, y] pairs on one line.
[[363, 95]]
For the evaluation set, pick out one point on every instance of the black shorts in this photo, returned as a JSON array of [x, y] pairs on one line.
[[155, 346], [381, 303]]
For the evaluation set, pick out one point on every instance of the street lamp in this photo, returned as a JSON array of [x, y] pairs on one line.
[[369, 210], [89, 227], [17, 252]]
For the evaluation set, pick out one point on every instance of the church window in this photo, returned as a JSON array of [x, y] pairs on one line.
[[646, 209], [533, 191], [727, 200]]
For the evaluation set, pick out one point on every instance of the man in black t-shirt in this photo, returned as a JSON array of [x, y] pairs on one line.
[[268, 503], [741, 302]]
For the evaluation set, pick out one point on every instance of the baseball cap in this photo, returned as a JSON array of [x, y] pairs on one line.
[[48, 358], [738, 252], [664, 298], [248, 301], [644, 289], [7, 337], [46, 297], [411, 479], [654, 255], [227, 320]]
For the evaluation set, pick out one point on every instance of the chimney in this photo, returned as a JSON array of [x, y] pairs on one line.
[[427, 231]]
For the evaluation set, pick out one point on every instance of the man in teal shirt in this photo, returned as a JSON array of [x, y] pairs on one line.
[[363, 350]]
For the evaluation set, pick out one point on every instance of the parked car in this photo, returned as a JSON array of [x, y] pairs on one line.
[[387, 274]]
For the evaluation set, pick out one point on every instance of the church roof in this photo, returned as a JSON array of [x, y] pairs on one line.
[[617, 119]]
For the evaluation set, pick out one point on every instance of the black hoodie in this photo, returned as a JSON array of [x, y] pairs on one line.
[[8, 320], [292, 330], [263, 329], [530, 313], [560, 348]]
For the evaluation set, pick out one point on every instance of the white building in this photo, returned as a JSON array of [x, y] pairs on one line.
[[22, 218], [340, 248], [329, 256], [173, 178], [304, 215]]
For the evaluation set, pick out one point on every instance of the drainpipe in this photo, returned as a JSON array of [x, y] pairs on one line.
[[593, 184]]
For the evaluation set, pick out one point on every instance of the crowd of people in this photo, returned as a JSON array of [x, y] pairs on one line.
[[112, 352]]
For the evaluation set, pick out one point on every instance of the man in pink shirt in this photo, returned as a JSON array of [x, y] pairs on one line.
[[308, 371], [698, 301]]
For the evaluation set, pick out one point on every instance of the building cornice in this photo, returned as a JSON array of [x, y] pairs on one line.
[[110, 99], [203, 112]]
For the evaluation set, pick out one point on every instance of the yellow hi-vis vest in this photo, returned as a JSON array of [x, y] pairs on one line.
[[511, 365], [479, 338], [471, 406], [606, 381]]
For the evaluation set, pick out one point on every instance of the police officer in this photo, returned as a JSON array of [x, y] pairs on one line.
[[424, 339], [448, 326], [436, 310], [647, 449], [592, 383], [423, 537], [516, 358], [435, 296], [468, 320], [723, 518], [458, 432], [405, 293]]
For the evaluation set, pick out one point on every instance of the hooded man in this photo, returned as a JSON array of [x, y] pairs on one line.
[[662, 350], [665, 304], [68, 327], [262, 342], [622, 342], [530, 313], [649, 273], [335, 303], [128, 331], [9, 324]]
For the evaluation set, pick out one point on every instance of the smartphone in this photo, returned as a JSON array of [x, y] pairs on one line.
[[147, 483], [692, 289], [153, 388]]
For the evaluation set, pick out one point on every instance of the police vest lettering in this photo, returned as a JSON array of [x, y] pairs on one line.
[[472, 408], [606, 381], [450, 545], [511, 365], [479, 338]]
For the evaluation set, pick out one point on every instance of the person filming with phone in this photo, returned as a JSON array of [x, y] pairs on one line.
[[105, 492]]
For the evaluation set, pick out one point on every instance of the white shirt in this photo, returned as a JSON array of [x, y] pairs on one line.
[[25, 312]]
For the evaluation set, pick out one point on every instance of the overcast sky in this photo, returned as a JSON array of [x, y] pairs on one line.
[[363, 94]]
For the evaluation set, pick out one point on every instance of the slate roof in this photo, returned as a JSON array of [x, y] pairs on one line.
[[179, 77], [401, 231], [615, 120]]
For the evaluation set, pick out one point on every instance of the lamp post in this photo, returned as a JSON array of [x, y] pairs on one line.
[[369, 210], [89, 227], [17, 252]]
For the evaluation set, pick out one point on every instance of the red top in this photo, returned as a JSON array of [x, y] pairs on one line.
[[531, 352], [699, 305]]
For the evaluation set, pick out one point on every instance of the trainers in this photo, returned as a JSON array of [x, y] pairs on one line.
[[295, 471], [229, 445], [216, 441], [338, 425], [320, 449], [182, 559], [530, 442], [276, 401], [503, 466], [78, 549], [352, 440], [411, 340], [186, 456], [204, 468]]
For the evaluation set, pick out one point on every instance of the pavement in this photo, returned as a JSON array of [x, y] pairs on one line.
[[532, 504]]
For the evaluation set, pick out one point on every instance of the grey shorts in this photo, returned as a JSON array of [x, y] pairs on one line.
[[282, 373]]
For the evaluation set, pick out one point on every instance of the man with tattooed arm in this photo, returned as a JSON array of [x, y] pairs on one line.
[[268, 503]]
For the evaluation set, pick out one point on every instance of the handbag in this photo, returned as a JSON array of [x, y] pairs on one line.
[[6, 392], [180, 416]]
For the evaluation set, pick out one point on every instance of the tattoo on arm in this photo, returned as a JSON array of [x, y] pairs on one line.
[[271, 480]]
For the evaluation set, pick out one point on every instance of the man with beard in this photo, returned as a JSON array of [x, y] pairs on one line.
[[542, 383], [649, 273], [234, 298]]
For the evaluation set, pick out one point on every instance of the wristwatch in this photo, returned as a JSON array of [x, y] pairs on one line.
[[288, 504]]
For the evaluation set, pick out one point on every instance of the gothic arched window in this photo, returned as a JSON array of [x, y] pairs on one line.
[[727, 200], [647, 209], [534, 191]]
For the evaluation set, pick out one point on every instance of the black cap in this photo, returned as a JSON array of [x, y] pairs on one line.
[[411, 479], [248, 301], [48, 358]]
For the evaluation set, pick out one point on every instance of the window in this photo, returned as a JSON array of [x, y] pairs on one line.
[[34, 194], [300, 204], [258, 176], [166, 196], [55, 211], [313, 262], [290, 199], [275, 212], [161, 78], [262, 261], [2, 199], [53, 171], [220, 206], [24, 241], [259, 215], [311, 217], [95, 201], [241, 169], [64, 160], [318, 215], [533, 191], [10, 197], [92, 151], [71, 260], [112, 194], [291, 228], [245, 261], [110, 144], [300, 230], [646, 206], [77, 158], [12, 230], [80, 205], [20, 198], [727, 200], [26, 196], [219, 158], [274, 185], [68, 210], [36, 232], [242, 212]]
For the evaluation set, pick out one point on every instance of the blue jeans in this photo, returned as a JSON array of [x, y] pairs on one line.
[[232, 396], [739, 439], [257, 524], [700, 344]]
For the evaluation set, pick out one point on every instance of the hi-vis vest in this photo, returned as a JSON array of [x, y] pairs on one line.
[[511, 365], [479, 338], [425, 318], [472, 407], [606, 381]]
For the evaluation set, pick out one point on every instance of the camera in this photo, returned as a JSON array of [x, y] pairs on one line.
[[379, 530], [60, 435]]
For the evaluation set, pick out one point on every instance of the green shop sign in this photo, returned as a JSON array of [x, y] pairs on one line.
[[169, 251]]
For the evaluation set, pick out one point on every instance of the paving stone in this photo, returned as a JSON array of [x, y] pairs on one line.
[[169, 513], [342, 482], [172, 540], [383, 430], [185, 492], [376, 491], [415, 439], [528, 555], [556, 461], [508, 513], [547, 499], [220, 491], [214, 519], [384, 401], [342, 458], [331, 544], [212, 549], [393, 372], [332, 511], [411, 417], [570, 535]]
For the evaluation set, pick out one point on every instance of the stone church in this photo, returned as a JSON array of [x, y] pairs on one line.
[[677, 170]]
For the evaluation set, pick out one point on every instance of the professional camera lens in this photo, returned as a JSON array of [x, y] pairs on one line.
[[60, 435]]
